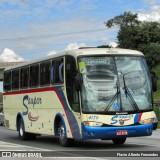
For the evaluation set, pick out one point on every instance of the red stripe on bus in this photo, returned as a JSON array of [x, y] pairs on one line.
[[139, 118], [42, 90], [29, 91]]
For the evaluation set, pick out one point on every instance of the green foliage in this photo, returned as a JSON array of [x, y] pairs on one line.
[[156, 95], [124, 20], [142, 36], [152, 54], [157, 112]]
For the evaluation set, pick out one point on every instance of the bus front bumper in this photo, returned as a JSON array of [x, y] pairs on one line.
[[111, 132]]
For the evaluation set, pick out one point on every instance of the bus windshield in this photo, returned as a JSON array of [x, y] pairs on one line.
[[115, 84]]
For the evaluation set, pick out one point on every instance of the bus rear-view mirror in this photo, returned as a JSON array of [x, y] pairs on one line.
[[78, 81], [154, 84]]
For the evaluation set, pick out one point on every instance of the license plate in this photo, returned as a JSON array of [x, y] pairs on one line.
[[123, 132]]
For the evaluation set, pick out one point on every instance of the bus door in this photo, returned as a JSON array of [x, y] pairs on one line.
[[72, 94]]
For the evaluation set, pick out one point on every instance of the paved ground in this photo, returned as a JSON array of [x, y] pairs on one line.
[[48, 145]]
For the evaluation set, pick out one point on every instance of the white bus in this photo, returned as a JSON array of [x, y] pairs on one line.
[[88, 93]]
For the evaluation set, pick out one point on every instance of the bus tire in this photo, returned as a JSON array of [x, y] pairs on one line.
[[21, 131], [119, 140], [62, 136]]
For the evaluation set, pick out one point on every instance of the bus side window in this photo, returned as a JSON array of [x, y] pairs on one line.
[[61, 72], [42, 74], [24, 77], [45, 73], [52, 74], [34, 75], [15, 79], [57, 71], [7, 80]]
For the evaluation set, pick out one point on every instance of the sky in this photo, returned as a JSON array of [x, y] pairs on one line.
[[31, 29]]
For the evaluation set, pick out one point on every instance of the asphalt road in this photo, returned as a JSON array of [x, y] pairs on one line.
[[96, 149]]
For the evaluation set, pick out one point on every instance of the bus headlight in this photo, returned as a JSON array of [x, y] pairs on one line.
[[146, 121], [93, 124]]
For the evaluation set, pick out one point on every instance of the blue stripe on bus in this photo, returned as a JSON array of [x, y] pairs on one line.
[[72, 120], [136, 118]]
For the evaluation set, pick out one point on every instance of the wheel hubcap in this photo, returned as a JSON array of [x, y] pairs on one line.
[[21, 130], [61, 133]]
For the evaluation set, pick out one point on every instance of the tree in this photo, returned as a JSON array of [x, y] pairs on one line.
[[124, 20], [134, 34], [153, 54]]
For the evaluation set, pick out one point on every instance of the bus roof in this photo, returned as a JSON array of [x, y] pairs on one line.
[[102, 51], [82, 52]]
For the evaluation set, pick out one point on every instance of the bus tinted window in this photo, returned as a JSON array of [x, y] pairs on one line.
[[15, 79], [24, 76], [7, 81], [45, 73], [57, 71], [34, 75]]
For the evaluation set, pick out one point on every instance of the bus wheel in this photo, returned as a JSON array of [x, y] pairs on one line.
[[22, 134], [119, 140], [62, 136]]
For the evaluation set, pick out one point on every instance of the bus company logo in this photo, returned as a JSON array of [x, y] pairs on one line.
[[120, 118], [121, 121], [34, 101], [31, 101]]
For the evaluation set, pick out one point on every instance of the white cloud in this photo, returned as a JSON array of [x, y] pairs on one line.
[[113, 44], [51, 53], [151, 15], [73, 46], [10, 56], [106, 41]]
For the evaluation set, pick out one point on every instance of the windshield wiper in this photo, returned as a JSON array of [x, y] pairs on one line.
[[113, 99], [129, 95]]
